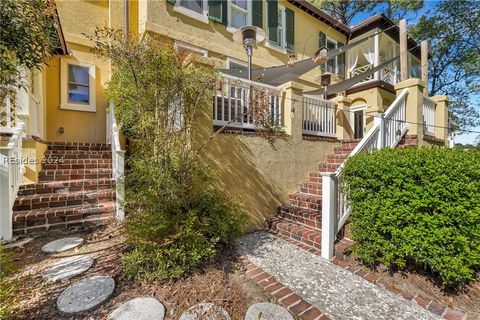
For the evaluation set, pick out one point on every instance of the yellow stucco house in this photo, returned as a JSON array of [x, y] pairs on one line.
[[65, 114]]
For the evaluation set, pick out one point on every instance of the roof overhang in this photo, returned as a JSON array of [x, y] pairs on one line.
[[61, 49]]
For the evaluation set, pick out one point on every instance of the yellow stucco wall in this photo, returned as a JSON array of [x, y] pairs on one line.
[[33, 153]]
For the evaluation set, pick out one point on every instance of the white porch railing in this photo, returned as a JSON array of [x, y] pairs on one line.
[[118, 161], [429, 107], [232, 105], [360, 70], [7, 116], [387, 131], [319, 117], [389, 75], [12, 168]]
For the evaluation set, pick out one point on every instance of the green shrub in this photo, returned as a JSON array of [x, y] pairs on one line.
[[417, 207], [7, 285], [176, 220]]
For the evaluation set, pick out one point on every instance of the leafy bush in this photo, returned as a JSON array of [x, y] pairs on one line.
[[417, 207], [7, 286], [176, 220]]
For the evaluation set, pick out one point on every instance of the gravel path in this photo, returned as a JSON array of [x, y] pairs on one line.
[[337, 292]]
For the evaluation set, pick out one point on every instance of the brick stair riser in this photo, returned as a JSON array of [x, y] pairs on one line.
[[310, 187], [60, 177], [65, 187], [310, 238], [68, 166], [55, 223], [315, 204], [62, 200], [78, 148], [312, 221]]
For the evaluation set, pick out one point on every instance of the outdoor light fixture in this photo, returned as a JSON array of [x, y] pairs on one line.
[[249, 36], [320, 57], [291, 59], [325, 81]]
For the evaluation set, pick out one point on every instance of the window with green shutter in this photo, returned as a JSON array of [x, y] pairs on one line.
[[257, 13], [272, 15], [215, 10], [290, 29]]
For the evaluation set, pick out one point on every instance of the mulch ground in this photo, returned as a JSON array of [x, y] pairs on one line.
[[223, 282]]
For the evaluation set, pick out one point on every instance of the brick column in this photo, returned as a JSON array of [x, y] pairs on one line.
[[441, 118], [344, 127], [414, 106], [293, 110]]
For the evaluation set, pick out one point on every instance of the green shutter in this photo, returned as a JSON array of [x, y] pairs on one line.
[[272, 11], [341, 62], [322, 42], [290, 29], [257, 13], [224, 12], [215, 10]]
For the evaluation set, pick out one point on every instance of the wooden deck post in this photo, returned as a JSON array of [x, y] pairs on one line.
[[404, 72], [424, 64]]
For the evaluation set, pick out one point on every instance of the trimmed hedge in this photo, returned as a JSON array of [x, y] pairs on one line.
[[417, 208]]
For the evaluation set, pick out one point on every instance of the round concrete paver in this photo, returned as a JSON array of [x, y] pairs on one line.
[[139, 309], [205, 311], [68, 268], [267, 311], [61, 245], [85, 295]]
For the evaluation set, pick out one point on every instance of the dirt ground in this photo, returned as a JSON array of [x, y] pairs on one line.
[[222, 283], [466, 299]]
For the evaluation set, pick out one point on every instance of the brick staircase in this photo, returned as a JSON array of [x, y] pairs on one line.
[[301, 219], [75, 188]]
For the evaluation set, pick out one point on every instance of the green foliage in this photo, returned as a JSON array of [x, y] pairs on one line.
[[417, 208], [176, 220], [453, 31], [7, 286], [26, 37]]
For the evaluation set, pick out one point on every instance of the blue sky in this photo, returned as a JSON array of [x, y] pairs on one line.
[[413, 18]]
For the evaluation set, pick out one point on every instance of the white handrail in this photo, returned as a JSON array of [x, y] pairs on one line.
[[12, 168], [118, 162], [387, 131]]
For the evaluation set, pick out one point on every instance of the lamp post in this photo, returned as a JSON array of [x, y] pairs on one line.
[[325, 80], [249, 36]]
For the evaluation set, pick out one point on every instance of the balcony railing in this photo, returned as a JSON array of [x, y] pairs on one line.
[[319, 117], [387, 74], [236, 100], [8, 117], [429, 106]]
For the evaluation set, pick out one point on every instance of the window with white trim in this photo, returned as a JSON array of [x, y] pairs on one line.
[[239, 13], [197, 9], [234, 64], [77, 86], [281, 30]]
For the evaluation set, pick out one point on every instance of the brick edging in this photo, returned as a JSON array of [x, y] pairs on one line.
[[431, 305], [281, 293]]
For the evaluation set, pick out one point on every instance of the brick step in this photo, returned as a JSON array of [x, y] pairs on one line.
[[309, 237], [311, 187], [324, 167], [336, 156], [303, 200], [55, 200], [74, 174], [306, 217], [63, 165], [65, 186], [61, 218], [84, 147]]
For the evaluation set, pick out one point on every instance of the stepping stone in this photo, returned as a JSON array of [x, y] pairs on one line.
[[205, 311], [68, 268], [85, 295], [139, 309], [267, 311], [61, 245], [18, 243]]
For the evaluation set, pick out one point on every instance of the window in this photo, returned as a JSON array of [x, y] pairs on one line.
[[240, 13], [335, 65], [277, 32], [237, 65], [196, 9], [331, 63], [281, 29], [77, 86]]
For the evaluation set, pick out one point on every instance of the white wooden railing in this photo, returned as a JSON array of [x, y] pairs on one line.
[[360, 70], [232, 105], [429, 107], [319, 117], [389, 75], [12, 168], [387, 131], [7, 116], [118, 161]]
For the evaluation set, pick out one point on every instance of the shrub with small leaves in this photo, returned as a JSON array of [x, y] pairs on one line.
[[7, 285], [417, 208]]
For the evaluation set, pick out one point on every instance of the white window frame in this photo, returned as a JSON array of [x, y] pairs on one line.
[[361, 107], [283, 45], [189, 47], [239, 62], [202, 17], [231, 28], [67, 105], [335, 72]]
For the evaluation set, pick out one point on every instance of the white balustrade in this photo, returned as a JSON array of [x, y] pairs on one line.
[[319, 117], [387, 131], [429, 107], [7, 116], [12, 168], [233, 102], [118, 161]]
